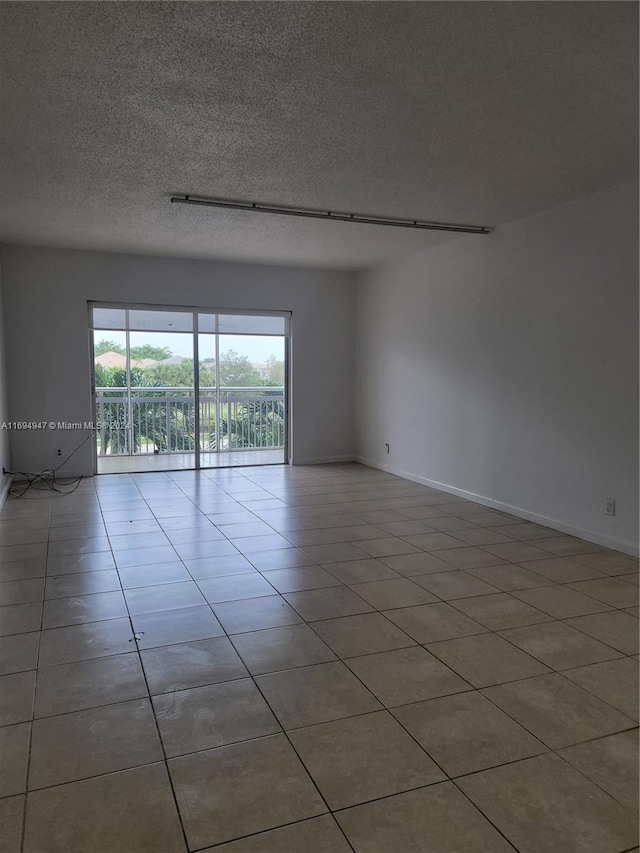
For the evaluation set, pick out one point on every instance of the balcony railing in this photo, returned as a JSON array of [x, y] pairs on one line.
[[162, 420]]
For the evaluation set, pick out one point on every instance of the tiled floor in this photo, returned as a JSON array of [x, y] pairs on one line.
[[143, 462], [325, 659]]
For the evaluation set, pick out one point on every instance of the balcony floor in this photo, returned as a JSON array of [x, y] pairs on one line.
[[185, 461]]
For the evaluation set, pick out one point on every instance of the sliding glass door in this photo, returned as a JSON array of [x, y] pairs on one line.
[[182, 388]]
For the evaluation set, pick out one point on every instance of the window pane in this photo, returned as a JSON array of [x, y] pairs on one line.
[[252, 324], [109, 318], [161, 321]]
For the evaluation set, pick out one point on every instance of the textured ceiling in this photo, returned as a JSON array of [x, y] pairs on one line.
[[473, 112]]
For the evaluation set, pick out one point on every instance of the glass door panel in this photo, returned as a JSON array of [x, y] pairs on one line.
[[157, 410], [162, 393]]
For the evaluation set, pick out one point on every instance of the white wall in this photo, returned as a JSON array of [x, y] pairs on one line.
[[46, 294], [507, 366], [5, 461]]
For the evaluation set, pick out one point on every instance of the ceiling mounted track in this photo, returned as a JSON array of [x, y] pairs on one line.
[[280, 210]]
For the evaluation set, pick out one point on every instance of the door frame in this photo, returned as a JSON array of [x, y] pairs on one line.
[[195, 310]]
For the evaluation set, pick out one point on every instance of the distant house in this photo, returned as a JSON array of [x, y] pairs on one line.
[[111, 359], [115, 359]]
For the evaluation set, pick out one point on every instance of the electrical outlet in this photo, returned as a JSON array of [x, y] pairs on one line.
[[611, 506], [59, 452]]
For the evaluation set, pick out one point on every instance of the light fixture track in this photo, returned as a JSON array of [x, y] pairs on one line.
[[281, 210]]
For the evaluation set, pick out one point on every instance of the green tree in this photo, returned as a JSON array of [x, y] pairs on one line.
[[150, 351], [108, 346], [276, 371], [236, 371]]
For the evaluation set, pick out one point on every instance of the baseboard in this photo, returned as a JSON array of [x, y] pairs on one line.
[[323, 460], [554, 523], [5, 492]]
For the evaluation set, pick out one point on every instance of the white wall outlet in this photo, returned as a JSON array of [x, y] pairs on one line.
[[611, 506]]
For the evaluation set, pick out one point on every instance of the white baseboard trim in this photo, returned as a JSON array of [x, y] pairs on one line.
[[5, 492], [571, 529], [323, 460]]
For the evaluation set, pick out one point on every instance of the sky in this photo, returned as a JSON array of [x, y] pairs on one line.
[[255, 347]]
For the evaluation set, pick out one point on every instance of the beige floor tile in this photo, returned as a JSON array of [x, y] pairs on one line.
[[89, 684], [481, 536], [609, 563], [74, 547], [11, 813], [215, 567], [92, 742], [253, 544], [500, 611], [361, 571], [22, 570], [328, 603], [526, 531], [401, 527], [170, 596], [410, 565], [129, 811], [82, 583], [389, 546], [558, 645], [433, 541], [613, 681], [21, 591], [16, 697], [281, 648], [315, 694], [429, 623], [81, 642], [176, 626], [96, 562], [386, 594], [19, 652], [141, 576], [564, 811], [556, 711], [59, 612], [451, 585], [235, 587], [438, 816], [517, 552], [561, 569], [486, 659], [363, 758], [185, 665], [147, 556], [568, 546], [302, 578], [334, 553], [610, 590], [254, 614], [466, 732], [282, 558], [612, 763], [469, 558], [508, 577], [561, 602], [215, 715], [405, 675], [316, 835], [14, 754], [363, 634], [617, 629], [20, 618], [11, 553], [633, 579], [277, 791]]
